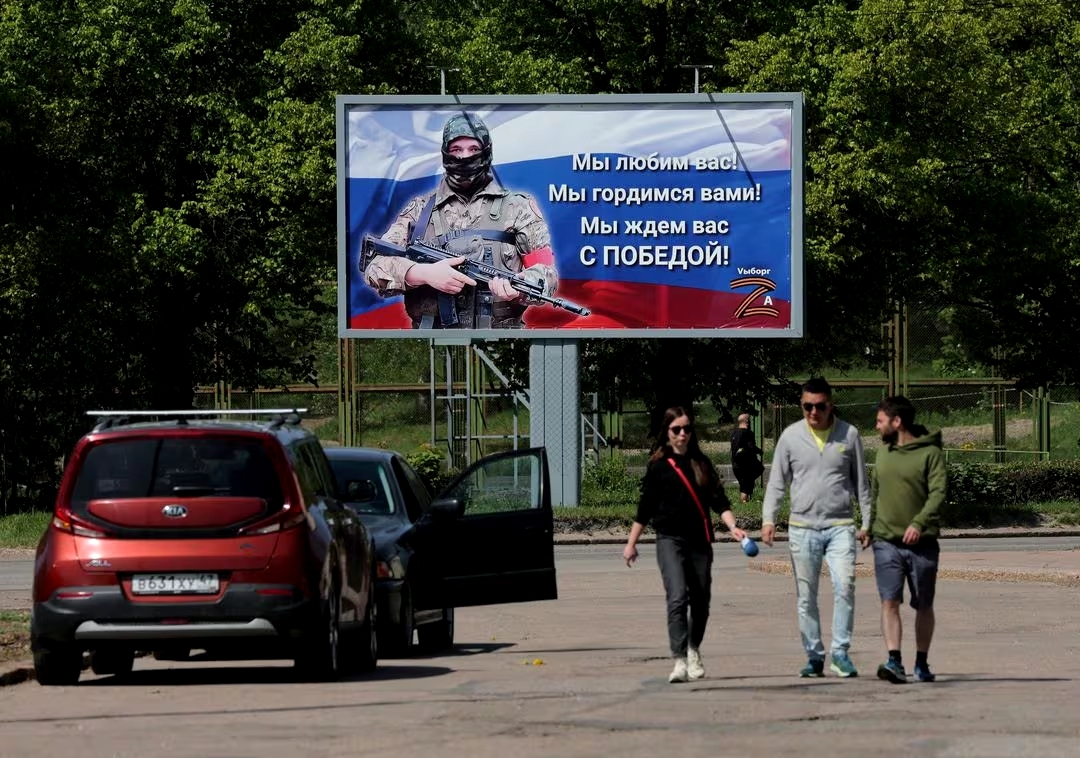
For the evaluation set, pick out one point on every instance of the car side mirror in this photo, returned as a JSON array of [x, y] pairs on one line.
[[447, 508], [359, 491]]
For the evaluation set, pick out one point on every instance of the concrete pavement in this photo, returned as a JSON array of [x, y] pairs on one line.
[[586, 676], [1005, 556]]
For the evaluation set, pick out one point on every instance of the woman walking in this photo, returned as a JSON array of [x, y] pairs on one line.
[[679, 489]]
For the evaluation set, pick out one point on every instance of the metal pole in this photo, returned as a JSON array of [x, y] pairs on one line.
[[442, 77], [697, 73]]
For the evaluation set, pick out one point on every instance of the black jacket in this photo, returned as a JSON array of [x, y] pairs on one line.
[[667, 505], [745, 463]]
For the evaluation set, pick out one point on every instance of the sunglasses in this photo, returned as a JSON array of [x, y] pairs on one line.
[[819, 407], [680, 429]]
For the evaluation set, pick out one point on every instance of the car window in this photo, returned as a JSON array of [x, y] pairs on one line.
[[324, 474], [307, 472], [178, 467], [364, 485], [505, 484], [417, 497]]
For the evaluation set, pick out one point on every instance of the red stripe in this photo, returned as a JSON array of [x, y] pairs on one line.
[[701, 509], [633, 305], [544, 255], [387, 317]]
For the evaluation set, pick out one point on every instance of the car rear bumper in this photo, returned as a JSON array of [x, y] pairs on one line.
[[106, 614], [388, 598]]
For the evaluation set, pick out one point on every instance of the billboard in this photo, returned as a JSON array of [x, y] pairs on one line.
[[570, 216]]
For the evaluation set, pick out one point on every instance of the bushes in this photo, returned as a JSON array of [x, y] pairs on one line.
[[980, 495], [606, 484], [1013, 484], [430, 465], [987, 494]]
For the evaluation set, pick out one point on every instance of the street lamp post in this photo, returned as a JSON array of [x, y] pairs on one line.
[[442, 77], [697, 73]]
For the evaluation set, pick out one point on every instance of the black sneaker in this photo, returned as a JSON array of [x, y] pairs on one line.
[[923, 673], [812, 670], [892, 671]]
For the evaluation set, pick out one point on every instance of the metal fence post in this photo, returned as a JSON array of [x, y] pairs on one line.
[[1042, 422]]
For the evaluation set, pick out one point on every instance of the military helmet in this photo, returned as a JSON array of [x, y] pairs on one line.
[[465, 125], [466, 174]]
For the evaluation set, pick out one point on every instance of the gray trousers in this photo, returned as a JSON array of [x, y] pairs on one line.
[[687, 574]]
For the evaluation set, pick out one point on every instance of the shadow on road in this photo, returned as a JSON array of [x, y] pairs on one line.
[[232, 675], [461, 649]]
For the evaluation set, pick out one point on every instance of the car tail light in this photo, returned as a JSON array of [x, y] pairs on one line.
[[66, 521], [287, 518], [74, 595]]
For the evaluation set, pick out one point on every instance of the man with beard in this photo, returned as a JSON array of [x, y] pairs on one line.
[[472, 214], [908, 486]]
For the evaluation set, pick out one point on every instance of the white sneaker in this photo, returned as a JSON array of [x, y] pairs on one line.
[[679, 673], [695, 669]]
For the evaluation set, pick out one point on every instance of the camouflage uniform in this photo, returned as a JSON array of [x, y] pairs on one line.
[[496, 226]]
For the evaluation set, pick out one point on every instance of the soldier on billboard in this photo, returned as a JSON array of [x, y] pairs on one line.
[[469, 213]]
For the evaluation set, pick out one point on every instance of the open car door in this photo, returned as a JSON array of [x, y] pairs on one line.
[[490, 535]]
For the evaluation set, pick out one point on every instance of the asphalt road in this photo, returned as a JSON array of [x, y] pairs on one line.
[[17, 574], [586, 676]]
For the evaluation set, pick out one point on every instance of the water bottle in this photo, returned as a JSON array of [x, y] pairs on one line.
[[749, 546]]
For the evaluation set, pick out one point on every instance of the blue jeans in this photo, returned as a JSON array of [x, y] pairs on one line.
[[809, 547]]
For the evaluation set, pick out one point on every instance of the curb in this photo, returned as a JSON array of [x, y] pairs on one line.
[[1013, 576], [570, 538]]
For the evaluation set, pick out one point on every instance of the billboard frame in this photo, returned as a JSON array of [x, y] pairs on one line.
[[791, 100]]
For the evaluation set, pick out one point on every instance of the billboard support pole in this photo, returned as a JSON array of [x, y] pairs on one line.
[[555, 415], [348, 396]]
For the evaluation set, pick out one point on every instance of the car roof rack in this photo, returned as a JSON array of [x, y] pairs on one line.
[[281, 416]]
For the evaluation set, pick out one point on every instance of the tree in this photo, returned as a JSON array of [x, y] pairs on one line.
[[169, 207], [941, 164]]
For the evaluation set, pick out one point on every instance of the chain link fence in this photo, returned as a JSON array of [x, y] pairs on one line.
[[458, 401]]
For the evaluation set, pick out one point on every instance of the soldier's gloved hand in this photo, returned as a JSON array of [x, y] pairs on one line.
[[502, 290], [535, 276], [440, 275]]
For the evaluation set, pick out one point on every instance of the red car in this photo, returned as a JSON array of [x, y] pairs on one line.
[[201, 534]]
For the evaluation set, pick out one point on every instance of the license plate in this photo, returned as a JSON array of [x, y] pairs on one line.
[[174, 584]]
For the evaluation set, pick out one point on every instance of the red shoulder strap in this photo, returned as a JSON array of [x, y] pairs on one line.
[[693, 494]]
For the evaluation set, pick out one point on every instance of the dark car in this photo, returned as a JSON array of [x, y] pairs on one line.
[[487, 539], [201, 534]]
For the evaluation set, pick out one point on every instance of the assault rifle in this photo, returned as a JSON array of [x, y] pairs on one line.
[[421, 252]]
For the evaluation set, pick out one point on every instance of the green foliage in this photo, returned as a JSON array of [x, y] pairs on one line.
[[950, 127], [23, 529], [609, 475], [167, 205], [430, 465], [986, 494]]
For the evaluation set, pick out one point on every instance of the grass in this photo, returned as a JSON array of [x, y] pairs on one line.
[[613, 504], [14, 635], [23, 529], [621, 516]]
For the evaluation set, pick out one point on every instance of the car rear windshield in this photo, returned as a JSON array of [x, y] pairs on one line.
[[372, 498], [178, 467]]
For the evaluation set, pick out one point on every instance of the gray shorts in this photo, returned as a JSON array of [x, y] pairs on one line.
[[916, 564]]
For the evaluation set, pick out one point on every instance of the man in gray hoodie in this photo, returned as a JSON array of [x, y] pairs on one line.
[[821, 459]]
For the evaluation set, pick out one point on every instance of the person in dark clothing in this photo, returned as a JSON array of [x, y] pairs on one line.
[[678, 490], [746, 462]]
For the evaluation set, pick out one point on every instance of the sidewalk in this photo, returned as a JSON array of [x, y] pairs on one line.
[[1059, 566]]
